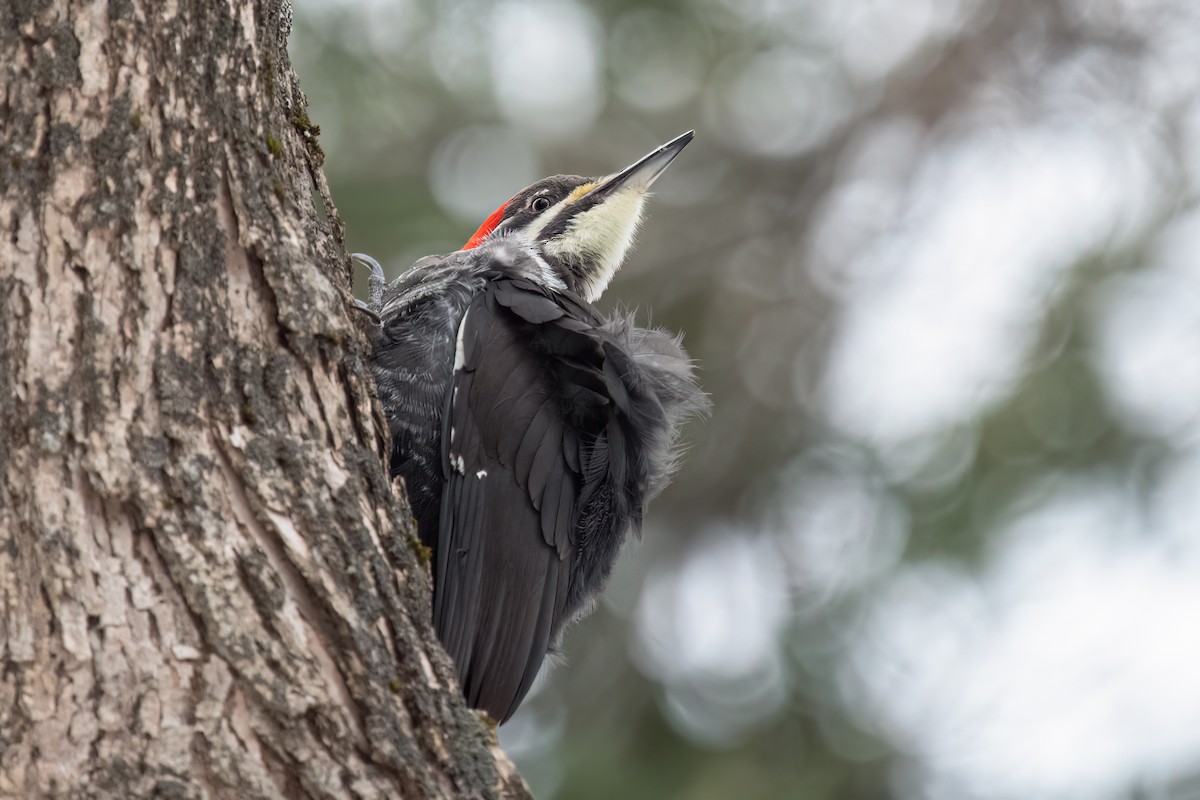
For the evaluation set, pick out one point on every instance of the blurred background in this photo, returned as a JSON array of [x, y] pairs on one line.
[[939, 261]]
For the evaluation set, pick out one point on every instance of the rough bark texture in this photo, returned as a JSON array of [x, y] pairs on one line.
[[207, 586]]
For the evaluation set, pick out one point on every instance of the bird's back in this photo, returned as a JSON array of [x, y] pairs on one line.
[[414, 355]]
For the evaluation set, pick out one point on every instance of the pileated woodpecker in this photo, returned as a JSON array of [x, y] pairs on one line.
[[530, 430]]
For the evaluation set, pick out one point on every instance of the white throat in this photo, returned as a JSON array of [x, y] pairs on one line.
[[603, 235]]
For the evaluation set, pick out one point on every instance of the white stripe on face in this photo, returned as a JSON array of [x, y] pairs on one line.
[[535, 228]]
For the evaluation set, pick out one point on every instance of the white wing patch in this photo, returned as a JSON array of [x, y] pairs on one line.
[[460, 357]]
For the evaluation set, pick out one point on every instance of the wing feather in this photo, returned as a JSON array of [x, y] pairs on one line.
[[531, 441], [547, 459], [542, 477]]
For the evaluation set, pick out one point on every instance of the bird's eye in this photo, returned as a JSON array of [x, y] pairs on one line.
[[540, 203]]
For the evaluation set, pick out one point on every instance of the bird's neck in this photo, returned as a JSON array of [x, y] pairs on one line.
[[571, 268]]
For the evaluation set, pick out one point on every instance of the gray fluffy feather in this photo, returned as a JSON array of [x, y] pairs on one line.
[[670, 375]]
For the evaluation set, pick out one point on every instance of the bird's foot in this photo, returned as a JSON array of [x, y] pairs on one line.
[[375, 282]]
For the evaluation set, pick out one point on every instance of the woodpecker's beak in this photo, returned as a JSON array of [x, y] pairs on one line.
[[642, 173]]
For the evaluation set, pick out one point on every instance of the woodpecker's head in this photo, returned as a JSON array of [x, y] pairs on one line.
[[583, 227]]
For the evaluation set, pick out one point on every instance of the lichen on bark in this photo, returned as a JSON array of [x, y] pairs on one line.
[[206, 586]]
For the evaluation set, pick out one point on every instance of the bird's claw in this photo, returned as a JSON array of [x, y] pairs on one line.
[[375, 282], [366, 309]]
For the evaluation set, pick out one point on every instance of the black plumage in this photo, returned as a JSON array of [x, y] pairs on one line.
[[531, 431]]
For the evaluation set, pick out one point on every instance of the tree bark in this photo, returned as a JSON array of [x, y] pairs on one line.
[[208, 587]]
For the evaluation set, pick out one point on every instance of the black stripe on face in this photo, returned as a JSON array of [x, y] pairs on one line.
[[562, 220], [555, 189]]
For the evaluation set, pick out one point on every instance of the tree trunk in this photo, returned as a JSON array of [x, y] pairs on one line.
[[208, 587]]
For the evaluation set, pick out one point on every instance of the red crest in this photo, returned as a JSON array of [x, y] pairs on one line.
[[487, 227]]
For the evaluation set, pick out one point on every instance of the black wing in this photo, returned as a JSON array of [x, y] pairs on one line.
[[546, 448]]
